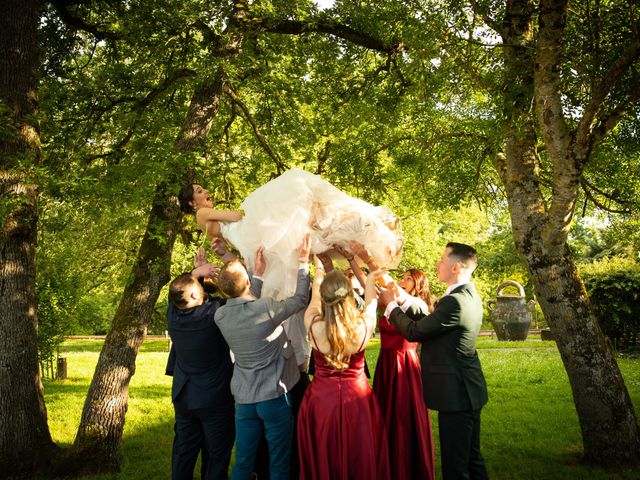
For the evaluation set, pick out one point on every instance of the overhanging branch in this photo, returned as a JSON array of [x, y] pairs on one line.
[[593, 124], [138, 108], [607, 122], [297, 27], [79, 24], [588, 190], [280, 165]]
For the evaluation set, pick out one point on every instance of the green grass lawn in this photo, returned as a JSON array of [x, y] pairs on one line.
[[530, 428]]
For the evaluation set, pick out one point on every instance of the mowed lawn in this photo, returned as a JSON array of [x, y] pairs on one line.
[[530, 428]]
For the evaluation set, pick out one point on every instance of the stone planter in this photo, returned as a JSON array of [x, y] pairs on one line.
[[510, 315]]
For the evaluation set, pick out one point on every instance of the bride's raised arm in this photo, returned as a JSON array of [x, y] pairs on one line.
[[206, 214]]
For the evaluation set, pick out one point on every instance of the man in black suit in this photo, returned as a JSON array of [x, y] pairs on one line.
[[202, 370], [452, 378]]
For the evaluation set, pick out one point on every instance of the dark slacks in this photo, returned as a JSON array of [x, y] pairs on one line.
[[460, 445], [211, 430], [273, 419], [261, 467]]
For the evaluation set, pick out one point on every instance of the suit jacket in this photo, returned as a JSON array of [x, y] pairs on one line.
[[452, 378], [200, 358], [265, 364]]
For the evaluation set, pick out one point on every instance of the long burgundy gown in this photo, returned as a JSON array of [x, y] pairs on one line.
[[398, 387], [341, 432]]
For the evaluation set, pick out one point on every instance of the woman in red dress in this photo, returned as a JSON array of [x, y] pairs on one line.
[[398, 386], [341, 432]]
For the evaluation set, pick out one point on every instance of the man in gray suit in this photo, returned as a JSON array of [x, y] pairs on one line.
[[452, 378], [265, 368]]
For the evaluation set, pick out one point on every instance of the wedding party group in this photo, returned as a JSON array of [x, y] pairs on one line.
[[268, 361]]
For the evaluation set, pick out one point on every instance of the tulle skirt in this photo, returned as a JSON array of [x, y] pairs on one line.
[[280, 213]]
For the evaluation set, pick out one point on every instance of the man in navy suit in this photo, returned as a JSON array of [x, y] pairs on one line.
[[452, 378], [202, 370]]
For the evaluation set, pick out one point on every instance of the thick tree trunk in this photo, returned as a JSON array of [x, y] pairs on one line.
[[25, 442], [97, 443], [610, 432], [609, 427], [96, 448]]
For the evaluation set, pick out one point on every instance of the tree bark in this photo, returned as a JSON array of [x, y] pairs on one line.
[[97, 443], [25, 442], [608, 423]]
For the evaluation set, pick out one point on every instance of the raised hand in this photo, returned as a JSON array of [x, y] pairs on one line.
[[343, 251], [325, 261], [360, 250], [219, 247], [387, 294], [200, 258], [208, 270], [305, 248], [260, 263]]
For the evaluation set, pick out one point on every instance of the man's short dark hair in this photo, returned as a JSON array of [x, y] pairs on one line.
[[178, 287], [465, 254]]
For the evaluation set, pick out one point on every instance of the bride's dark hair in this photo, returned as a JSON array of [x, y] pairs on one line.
[[185, 197]]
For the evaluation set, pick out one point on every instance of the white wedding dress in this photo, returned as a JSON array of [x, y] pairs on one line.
[[280, 213]]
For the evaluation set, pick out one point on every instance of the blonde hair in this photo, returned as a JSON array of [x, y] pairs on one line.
[[341, 318], [232, 279]]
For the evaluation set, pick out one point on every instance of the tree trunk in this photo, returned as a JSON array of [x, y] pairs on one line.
[[25, 442], [609, 427], [96, 447], [98, 440], [608, 423]]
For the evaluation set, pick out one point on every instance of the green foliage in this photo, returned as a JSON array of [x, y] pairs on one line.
[[57, 310], [614, 291], [417, 130]]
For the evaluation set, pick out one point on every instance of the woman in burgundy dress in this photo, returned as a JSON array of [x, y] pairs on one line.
[[398, 386], [341, 432]]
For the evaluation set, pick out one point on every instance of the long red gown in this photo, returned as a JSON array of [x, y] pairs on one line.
[[398, 386], [341, 433]]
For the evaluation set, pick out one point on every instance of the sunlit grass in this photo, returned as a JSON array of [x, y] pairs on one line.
[[530, 428]]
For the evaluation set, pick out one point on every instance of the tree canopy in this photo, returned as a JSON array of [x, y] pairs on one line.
[[510, 125]]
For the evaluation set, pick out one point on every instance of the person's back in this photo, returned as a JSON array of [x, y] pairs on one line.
[[203, 362], [265, 364], [200, 391], [341, 431], [265, 367]]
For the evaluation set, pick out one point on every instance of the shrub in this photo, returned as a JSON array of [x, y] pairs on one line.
[[614, 290]]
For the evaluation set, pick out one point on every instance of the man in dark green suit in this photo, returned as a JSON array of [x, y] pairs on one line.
[[452, 379]]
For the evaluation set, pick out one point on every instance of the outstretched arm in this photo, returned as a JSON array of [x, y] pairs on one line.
[[359, 250], [370, 302], [220, 248], [283, 309], [206, 214], [418, 327], [315, 308], [353, 264], [256, 276]]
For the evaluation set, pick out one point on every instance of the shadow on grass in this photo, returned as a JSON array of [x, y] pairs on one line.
[[95, 345], [145, 454], [530, 428]]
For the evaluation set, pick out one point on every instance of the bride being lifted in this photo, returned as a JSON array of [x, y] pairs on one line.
[[280, 213]]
